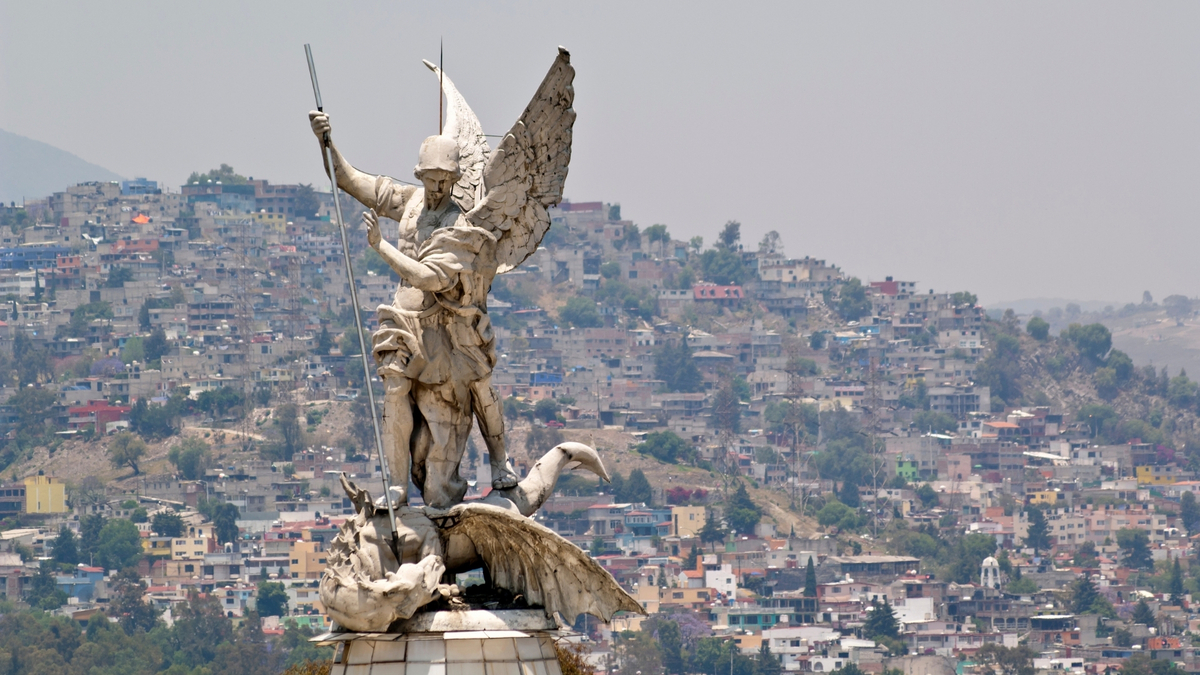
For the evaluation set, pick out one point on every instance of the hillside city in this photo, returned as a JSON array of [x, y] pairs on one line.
[[810, 471]]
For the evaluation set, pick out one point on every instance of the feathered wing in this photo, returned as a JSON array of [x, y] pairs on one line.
[[527, 558], [463, 126], [526, 173]]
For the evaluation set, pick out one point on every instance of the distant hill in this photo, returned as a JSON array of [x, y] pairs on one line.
[[1029, 305], [31, 169]]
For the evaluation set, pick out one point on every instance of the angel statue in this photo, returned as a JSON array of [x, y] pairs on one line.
[[477, 213]]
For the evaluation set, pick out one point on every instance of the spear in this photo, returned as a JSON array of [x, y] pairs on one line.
[[362, 341]]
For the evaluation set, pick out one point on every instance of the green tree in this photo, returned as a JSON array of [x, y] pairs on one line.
[[324, 342], [1022, 586], [1107, 386], [126, 449], [580, 312], [44, 592], [1175, 582], [156, 346], [1189, 512], [675, 367], [730, 235], [190, 457], [928, 496], [546, 410], [968, 554], [271, 599], [853, 303], [1181, 391], [1037, 537], [287, 419], [117, 276], [224, 520], [1143, 614], [810, 579], [722, 266], [670, 640], [167, 524], [658, 234], [129, 606], [1085, 555], [1038, 328], [32, 406], [224, 175], [119, 546], [1143, 664], [1007, 660], [849, 494], [638, 488], [712, 532], [90, 526], [1122, 366], [307, 203], [881, 621], [931, 421], [200, 628], [767, 663], [66, 547], [1136, 544], [1083, 594], [1001, 369], [741, 512], [1093, 340], [726, 409], [665, 446], [1179, 307]]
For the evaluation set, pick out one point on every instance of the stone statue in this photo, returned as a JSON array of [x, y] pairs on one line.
[[478, 213]]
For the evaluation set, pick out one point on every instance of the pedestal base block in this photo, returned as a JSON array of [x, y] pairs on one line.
[[454, 643]]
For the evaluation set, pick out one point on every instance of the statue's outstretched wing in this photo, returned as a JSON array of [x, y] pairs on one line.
[[530, 559], [526, 173], [473, 150]]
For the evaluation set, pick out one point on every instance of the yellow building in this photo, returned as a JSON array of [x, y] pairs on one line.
[[44, 494], [1156, 475], [1048, 497], [307, 560], [196, 542], [687, 521], [157, 547]]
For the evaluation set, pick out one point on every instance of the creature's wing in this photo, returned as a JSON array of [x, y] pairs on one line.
[[463, 126], [526, 173], [527, 558]]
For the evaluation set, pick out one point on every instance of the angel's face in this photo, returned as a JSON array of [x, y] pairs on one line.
[[438, 185]]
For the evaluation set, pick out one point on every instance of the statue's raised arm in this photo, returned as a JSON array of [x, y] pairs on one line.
[[383, 194]]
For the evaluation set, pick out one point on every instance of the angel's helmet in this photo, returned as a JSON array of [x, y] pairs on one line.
[[438, 169], [438, 153]]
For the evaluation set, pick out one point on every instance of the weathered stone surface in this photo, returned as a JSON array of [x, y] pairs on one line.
[[477, 213]]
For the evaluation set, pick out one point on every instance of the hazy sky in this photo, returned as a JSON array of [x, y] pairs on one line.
[[1016, 149]]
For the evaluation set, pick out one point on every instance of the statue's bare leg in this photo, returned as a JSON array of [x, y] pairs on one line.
[[396, 432], [448, 428], [490, 414]]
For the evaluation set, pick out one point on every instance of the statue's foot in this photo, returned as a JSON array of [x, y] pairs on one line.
[[503, 478], [399, 498]]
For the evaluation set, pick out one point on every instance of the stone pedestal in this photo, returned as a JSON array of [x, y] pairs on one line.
[[473, 642]]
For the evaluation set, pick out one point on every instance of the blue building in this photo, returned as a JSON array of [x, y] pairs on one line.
[[31, 257], [139, 186], [81, 584]]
